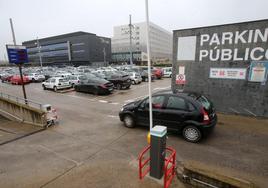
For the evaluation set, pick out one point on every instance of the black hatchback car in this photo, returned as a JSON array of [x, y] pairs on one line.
[[94, 85], [190, 113]]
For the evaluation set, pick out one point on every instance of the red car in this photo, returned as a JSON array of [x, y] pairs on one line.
[[158, 72], [17, 80]]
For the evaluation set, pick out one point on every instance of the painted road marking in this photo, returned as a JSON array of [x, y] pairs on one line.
[[160, 88], [103, 101], [112, 116]]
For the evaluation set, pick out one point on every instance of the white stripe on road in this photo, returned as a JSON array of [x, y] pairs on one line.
[[74, 96], [160, 88], [103, 101], [112, 116]]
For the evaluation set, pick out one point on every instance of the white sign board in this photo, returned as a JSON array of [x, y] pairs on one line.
[[228, 73], [181, 69]]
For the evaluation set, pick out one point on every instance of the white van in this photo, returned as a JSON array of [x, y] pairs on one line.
[[167, 72]]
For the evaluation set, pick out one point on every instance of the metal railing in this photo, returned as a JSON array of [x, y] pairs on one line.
[[20, 100]]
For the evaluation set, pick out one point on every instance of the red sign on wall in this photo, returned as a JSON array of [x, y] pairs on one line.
[[180, 79]]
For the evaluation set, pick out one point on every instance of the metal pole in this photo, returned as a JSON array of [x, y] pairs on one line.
[[104, 56], [149, 64], [39, 53], [130, 40], [20, 65]]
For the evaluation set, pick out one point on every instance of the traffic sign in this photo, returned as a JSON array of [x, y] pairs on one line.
[[17, 54], [180, 79]]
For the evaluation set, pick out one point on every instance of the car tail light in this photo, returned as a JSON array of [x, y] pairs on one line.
[[206, 119]]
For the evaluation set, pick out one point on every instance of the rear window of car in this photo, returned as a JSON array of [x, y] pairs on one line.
[[205, 102]]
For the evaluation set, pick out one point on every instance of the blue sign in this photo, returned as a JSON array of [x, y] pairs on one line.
[[17, 54]]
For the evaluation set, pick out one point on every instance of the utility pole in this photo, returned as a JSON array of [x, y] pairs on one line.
[[20, 65], [39, 53], [130, 40]]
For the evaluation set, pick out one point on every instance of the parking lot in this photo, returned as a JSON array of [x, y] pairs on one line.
[[90, 147]]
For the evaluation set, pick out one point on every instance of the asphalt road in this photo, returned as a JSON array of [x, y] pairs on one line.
[[91, 148]]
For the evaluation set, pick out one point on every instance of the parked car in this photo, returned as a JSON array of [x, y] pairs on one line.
[[34, 77], [158, 72], [135, 77], [120, 82], [167, 72], [16, 79], [190, 113], [94, 85], [74, 79], [56, 83], [6, 78], [144, 76]]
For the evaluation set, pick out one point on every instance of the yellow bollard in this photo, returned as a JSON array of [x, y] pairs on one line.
[[149, 138]]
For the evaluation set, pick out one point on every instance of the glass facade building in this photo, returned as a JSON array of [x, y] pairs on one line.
[[76, 48]]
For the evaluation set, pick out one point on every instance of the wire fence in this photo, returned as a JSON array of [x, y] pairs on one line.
[[22, 100]]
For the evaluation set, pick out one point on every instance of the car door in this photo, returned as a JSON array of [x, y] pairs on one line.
[[176, 112], [158, 103], [52, 83]]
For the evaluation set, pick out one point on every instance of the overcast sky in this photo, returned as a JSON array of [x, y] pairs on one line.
[[44, 18]]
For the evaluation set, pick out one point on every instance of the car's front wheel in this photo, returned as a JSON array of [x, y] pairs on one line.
[[129, 121], [55, 88], [191, 133], [44, 87], [118, 86]]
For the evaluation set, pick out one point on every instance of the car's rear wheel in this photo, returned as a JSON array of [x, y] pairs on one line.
[[191, 133], [55, 88], [129, 121]]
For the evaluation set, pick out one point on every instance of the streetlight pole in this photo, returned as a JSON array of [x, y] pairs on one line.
[[39, 53], [130, 40], [149, 64], [20, 65], [104, 56]]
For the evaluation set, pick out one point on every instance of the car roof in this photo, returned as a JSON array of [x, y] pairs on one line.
[[179, 93]]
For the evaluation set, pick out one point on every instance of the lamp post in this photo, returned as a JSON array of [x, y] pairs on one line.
[[130, 40], [104, 56], [39, 53]]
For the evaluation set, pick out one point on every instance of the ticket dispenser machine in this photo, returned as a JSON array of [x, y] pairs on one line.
[[157, 152]]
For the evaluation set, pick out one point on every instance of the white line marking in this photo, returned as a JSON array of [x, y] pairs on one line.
[[160, 88], [131, 100], [78, 97], [61, 156], [112, 116], [114, 103], [102, 101]]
